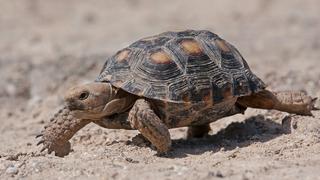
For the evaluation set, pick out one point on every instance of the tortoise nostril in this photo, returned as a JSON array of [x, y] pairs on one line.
[[71, 105]]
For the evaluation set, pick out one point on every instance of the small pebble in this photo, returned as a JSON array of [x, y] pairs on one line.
[[211, 174], [9, 114], [219, 174], [2, 167], [36, 165], [12, 170], [131, 160]]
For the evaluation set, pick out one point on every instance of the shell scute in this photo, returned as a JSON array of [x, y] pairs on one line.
[[191, 47]]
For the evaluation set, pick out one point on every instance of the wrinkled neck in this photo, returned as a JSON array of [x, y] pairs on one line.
[[117, 121]]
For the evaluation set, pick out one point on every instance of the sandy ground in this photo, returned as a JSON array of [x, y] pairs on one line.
[[47, 46]]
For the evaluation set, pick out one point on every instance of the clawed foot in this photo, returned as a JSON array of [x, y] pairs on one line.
[[163, 154], [61, 149], [140, 141], [296, 102], [310, 105]]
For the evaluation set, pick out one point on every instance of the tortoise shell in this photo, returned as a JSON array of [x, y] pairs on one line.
[[187, 66]]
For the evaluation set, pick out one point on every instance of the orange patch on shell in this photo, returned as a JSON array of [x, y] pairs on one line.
[[186, 98], [208, 99], [160, 57], [123, 55], [222, 45], [228, 93], [191, 47], [187, 101]]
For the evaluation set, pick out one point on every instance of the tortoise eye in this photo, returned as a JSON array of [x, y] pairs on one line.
[[84, 95]]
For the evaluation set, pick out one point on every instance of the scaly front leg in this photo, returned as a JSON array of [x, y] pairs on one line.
[[143, 118], [55, 136]]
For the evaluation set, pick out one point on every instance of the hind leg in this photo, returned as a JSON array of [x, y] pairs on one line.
[[287, 101], [198, 131]]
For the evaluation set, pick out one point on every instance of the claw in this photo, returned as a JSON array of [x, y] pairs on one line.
[[49, 151], [40, 142], [44, 148], [39, 135], [313, 102]]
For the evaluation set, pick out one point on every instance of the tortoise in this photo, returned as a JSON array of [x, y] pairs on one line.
[[174, 79]]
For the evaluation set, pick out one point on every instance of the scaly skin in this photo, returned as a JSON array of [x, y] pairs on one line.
[[144, 119], [55, 136]]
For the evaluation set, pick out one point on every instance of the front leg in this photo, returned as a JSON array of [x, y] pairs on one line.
[[55, 136], [143, 118]]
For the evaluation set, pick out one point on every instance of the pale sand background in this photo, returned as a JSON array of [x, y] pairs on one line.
[[47, 46]]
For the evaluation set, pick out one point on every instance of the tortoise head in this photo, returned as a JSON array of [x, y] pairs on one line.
[[94, 100]]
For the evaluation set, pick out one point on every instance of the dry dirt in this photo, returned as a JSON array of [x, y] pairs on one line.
[[47, 46]]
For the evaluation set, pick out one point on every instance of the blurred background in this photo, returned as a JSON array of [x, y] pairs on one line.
[[274, 36], [42, 40], [47, 46]]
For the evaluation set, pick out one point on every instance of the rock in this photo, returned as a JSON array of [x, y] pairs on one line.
[[12, 170], [317, 103], [130, 160], [219, 174], [286, 124], [300, 124], [2, 167]]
